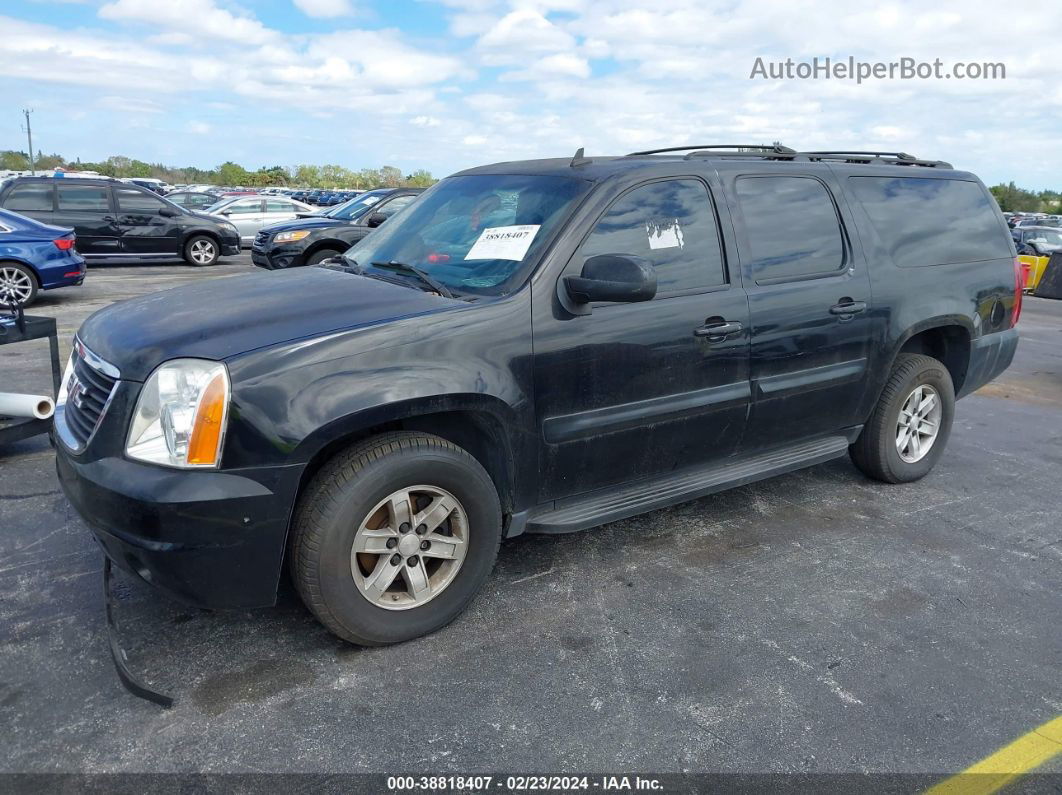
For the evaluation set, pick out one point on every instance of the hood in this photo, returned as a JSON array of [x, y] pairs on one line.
[[220, 318], [308, 222]]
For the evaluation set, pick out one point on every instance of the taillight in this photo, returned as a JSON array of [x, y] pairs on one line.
[[1019, 288], [64, 243]]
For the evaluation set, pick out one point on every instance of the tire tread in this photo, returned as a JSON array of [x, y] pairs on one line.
[[318, 502]]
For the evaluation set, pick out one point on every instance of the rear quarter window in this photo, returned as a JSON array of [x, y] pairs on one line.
[[32, 196], [931, 221]]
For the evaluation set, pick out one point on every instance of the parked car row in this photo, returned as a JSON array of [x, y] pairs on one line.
[[119, 222]]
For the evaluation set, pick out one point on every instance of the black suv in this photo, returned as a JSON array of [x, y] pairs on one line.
[[538, 346], [314, 238], [121, 222]]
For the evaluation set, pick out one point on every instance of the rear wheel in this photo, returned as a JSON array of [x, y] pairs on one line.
[[18, 285], [321, 256], [910, 426], [201, 251], [393, 538]]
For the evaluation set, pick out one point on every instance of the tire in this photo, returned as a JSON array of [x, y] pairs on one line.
[[18, 285], [877, 451], [321, 256], [201, 251], [350, 493]]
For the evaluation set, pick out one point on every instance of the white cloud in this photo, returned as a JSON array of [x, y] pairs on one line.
[[199, 127], [614, 75], [202, 17], [325, 9]]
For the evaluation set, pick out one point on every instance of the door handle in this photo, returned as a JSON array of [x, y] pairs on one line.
[[717, 331], [848, 308]]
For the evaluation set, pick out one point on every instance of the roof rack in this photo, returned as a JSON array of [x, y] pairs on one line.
[[780, 152], [891, 158], [776, 149]]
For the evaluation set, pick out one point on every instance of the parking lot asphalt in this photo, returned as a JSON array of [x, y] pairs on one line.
[[811, 623]]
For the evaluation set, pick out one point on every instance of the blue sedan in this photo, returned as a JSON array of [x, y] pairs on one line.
[[35, 256]]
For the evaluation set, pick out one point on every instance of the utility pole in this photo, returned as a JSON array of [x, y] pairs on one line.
[[29, 135]]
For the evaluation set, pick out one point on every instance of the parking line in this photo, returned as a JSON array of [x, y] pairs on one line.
[[1008, 763]]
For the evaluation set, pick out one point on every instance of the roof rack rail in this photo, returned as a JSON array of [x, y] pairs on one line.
[[777, 149], [894, 158], [779, 152]]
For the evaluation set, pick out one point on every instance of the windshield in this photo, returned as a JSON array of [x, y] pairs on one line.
[[475, 234], [354, 208], [1050, 237]]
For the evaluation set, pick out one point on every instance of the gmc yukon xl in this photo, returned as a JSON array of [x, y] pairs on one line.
[[538, 346]]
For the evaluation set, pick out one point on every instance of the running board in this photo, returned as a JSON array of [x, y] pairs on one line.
[[598, 507]]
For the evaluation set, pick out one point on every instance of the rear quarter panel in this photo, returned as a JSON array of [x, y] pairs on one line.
[[976, 295]]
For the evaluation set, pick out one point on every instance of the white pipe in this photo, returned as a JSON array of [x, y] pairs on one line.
[[40, 407]]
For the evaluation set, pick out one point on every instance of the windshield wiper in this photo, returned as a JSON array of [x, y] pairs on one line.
[[413, 270]]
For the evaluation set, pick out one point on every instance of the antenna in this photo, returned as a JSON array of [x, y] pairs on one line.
[[579, 160], [29, 135]]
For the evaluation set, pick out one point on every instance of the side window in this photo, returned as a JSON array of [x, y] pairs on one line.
[[245, 207], [671, 224], [393, 206], [136, 201], [932, 221], [83, 198], [30, 196], [278, 206], [793, 228]]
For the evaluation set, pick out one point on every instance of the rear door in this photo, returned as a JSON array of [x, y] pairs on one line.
[[88, 209], [277, 210], [809, 303], [144, 230]]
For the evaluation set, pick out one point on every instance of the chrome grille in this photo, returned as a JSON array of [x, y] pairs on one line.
[[88, 391], [260, 241]]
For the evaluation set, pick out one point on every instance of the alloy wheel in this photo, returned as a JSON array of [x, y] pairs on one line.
[[410, 547], [918, 424], [202, 251], [16, 286]]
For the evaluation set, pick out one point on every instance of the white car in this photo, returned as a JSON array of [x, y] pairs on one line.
[[251, 213]]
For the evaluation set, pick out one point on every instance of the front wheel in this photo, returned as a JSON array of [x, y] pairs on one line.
[[393, 538], [320, 256], [18, 285], [201, 251]]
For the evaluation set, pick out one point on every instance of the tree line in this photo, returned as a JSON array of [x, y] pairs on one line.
[[1013, 199], [228, 173]]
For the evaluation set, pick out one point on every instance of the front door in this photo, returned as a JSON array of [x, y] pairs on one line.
[[634, 390], [88, 209], [809, 301], [144, 229]]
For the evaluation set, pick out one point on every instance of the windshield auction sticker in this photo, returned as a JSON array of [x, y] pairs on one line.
[[504, 242]]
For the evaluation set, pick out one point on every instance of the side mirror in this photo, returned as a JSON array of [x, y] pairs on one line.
[[613, 277], [375, 220], [169, 212]]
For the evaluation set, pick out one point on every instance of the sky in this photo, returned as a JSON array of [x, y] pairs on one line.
[[449, 84]]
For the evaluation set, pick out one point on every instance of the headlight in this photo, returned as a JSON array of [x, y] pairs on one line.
[[181, 415], [292, 236]]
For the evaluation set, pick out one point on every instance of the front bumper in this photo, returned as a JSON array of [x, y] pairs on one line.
[[210, 539], [229, 249], [277, 257]]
